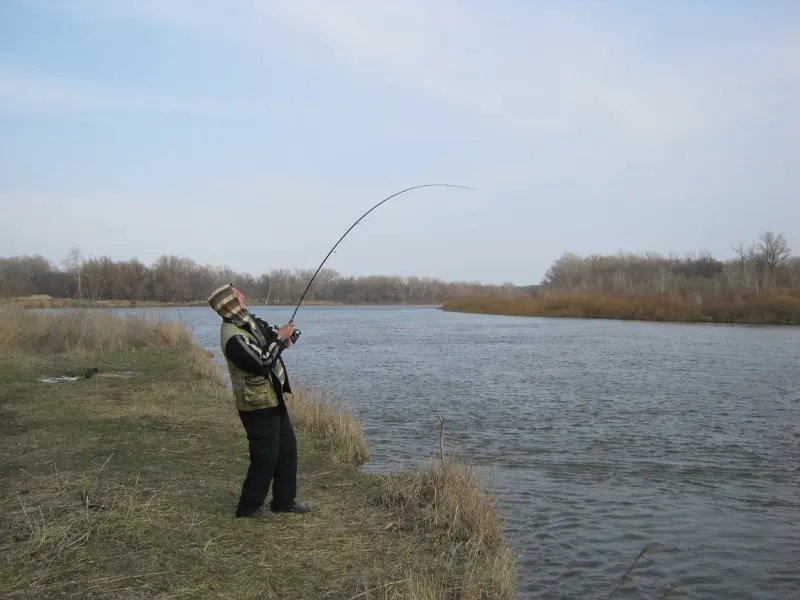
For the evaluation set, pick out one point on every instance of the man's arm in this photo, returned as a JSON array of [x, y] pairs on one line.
[[270, 331], [249, 357], [285, 336]]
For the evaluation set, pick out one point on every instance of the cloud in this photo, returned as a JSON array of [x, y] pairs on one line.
[[525, 71], [558, 74], [26, 92]]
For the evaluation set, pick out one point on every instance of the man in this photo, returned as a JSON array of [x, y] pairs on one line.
[[252, 350]]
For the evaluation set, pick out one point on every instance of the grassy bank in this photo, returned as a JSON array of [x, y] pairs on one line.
[[123, 485], [759, 310]]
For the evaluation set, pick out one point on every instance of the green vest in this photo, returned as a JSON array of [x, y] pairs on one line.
[[251, 392]]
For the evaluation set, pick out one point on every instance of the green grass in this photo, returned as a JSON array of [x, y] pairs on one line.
[[125, 487]]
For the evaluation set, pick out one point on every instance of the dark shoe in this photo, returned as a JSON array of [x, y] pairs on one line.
[[292, 507], [259, 514]]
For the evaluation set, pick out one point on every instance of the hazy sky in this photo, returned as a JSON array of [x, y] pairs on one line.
[[253, 133]]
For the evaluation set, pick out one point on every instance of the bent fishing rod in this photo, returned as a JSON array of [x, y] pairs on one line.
[[358, 221]]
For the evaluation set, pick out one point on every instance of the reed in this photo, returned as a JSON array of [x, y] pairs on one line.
[[756, 310]]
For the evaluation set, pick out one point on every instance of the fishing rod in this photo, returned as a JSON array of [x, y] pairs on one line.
[[357, 222]]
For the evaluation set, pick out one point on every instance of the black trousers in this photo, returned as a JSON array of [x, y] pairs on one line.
[[273, 458]]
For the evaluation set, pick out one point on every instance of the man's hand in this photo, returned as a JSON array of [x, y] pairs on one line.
[[286, 331]]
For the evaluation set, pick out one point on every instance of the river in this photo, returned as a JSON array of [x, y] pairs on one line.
[[598, 437]]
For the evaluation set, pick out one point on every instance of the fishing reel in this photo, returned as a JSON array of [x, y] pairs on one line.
[[295, 335]]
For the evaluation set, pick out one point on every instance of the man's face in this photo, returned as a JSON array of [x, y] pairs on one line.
[[239, 296]]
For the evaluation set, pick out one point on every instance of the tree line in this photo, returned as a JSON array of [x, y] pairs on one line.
[[764, 267], [175, 279]]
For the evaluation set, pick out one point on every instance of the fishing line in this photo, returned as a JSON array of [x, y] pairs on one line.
[[357, 222]]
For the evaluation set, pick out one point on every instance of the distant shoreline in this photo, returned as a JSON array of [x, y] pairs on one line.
[[759, 310], [50, 302]]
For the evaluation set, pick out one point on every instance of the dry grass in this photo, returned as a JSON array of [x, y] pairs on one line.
[[90, 333], [335, 425], [448, 500], [62, 516], [86, 331], [124, 487], [761, 310], [45, 301]]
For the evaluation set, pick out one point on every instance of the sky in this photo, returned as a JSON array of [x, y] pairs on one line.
[[252, 134]]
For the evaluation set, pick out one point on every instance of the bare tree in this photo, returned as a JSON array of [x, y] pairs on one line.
[[751, 266], [74, 264], [774, 249]]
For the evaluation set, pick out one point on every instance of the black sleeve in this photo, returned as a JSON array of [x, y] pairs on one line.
[[270, 331], [249, 357]]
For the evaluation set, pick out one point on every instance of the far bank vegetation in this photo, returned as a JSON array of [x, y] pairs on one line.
[[37, 283], [758, 284]]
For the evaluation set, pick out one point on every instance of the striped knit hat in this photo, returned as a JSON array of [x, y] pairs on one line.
[[227, 305]]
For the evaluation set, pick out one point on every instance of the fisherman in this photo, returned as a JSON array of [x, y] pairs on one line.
[[252, 350]]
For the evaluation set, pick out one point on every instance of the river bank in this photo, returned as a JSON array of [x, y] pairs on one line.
[[758, 310], [123, 484], [45, 301]]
